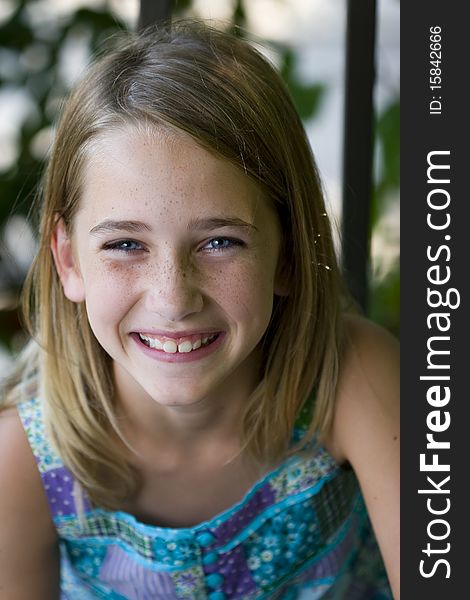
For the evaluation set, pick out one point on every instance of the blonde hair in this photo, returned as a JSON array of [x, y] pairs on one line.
[[230, 100]]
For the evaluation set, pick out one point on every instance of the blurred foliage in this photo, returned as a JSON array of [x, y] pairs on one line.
[[388, 133], [307, 97], [34, 53], [385, 292], [385, 301], [33, 47]]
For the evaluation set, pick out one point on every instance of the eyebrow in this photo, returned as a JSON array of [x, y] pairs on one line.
[[128, 226], [216, 222], [109, 225]]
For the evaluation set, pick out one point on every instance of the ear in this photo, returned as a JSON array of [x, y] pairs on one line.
[[66, 264]]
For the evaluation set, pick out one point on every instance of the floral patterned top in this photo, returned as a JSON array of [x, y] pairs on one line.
[[302, 532]]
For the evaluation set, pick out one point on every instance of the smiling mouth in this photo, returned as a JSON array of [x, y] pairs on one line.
[[182, 345]]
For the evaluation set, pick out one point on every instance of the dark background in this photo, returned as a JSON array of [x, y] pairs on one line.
[[423, 133]]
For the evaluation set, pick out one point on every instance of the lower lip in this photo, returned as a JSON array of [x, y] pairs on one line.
[[179, 357]]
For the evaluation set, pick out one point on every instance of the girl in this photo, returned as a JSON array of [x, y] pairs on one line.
[[196, 417]]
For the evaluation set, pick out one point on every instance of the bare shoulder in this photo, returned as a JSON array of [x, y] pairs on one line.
[[29, 564], [367, 396], [370, 351], [366, 427]]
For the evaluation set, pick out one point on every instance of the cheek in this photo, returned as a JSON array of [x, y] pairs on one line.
[[246, 292], [109, 293]]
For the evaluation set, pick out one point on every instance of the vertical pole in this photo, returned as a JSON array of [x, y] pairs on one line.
[[358, 146], [153, 12]]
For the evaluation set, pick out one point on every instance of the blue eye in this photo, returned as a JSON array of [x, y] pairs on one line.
[[124, 246], [221, 244]]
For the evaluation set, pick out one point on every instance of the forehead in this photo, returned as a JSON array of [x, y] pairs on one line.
[[132, 170]]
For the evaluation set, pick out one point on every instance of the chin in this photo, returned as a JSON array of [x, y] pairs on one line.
[[179, 395]]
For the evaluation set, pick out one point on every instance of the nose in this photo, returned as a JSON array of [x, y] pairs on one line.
[[173, 292]]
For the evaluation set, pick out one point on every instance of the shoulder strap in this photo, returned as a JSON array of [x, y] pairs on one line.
[[58, 481], [304, 419], [31, 413]]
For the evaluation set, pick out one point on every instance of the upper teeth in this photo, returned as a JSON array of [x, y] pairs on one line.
[[170, 346]]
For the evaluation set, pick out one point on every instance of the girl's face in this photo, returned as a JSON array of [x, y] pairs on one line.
[[175, 254]]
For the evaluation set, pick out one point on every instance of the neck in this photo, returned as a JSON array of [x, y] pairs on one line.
[[185, 426]]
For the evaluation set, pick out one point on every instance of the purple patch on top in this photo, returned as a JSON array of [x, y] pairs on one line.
[[258, 503], [358, 590], [58, 485], [125, 576], [330, 564], [238, 582]]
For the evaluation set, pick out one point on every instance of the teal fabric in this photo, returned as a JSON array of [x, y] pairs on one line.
[[302, 532]]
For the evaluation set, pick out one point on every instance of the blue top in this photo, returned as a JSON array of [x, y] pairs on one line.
[[302, 532]]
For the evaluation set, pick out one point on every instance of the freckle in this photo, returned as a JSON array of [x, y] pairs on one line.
[[395, 437]]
